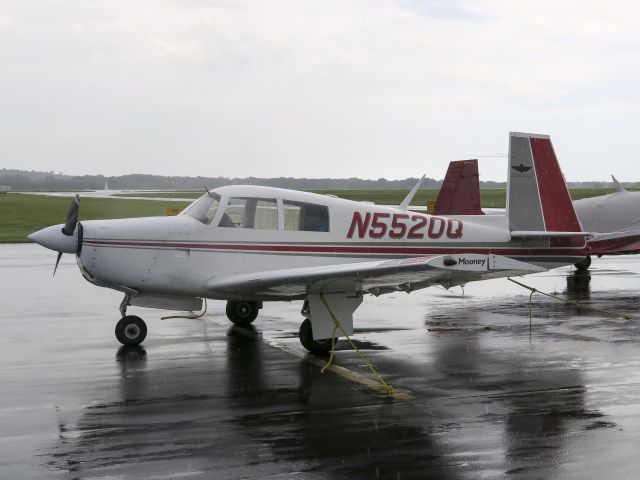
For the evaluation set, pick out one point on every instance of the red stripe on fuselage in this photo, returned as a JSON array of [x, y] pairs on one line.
[[338, 249]]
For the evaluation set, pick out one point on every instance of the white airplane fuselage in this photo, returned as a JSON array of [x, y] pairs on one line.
[[177, 255]]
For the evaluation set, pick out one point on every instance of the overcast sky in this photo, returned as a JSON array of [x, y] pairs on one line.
[[330, 88]]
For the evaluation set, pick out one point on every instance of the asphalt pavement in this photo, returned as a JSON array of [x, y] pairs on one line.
[[478, 394]]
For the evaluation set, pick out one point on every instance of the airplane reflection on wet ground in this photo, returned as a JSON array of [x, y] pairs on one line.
[[204, 400]]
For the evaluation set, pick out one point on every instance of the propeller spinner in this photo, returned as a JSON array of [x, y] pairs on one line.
[[62, 238]]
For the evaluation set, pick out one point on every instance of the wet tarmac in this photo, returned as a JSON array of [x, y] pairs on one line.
[[204, 400]]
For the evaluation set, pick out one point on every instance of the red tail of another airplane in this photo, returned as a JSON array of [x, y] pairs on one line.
[[460, 191]]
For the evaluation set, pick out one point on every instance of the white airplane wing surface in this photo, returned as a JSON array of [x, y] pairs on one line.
[[381, 276]]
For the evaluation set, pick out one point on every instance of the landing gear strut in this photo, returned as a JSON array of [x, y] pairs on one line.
[[242, 313], [306, 334], [584, 265], [131, 330]]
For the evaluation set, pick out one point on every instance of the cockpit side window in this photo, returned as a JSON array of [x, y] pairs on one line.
[[256, 213], [205, 208], [306, 217], [234, 213]]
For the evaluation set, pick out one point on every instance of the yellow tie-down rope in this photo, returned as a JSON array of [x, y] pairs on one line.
[[566, 300], [385, 388]]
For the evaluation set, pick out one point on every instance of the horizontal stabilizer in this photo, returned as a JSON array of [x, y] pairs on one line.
[[546, 234]]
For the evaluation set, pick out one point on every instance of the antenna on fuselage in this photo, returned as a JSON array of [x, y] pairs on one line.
[[407, 200], [209, 192]]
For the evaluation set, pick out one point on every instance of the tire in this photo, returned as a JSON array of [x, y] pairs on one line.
[[131, 330], [242, 313], [306, 339], [584, 265]]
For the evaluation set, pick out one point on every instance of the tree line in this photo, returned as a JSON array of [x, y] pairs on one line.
[[33, 180]]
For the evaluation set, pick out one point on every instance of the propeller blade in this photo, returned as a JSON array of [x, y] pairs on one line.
[[72, 216], [57, 262]]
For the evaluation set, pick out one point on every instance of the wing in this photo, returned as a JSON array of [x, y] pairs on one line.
[[375, 277]]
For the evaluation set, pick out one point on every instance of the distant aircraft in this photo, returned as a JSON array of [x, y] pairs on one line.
[[248, 245], [617, 213]]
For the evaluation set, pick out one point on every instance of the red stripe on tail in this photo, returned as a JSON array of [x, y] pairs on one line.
[[557, 208]]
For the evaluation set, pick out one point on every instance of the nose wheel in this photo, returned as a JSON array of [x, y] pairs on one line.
[[131, 330]]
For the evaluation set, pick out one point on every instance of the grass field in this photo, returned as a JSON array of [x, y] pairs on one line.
[[21, 215]]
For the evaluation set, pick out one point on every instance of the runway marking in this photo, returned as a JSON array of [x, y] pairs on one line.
[[318, 362]]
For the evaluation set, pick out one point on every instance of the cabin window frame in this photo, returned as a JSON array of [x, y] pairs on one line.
[[280, 203], [251, 204]]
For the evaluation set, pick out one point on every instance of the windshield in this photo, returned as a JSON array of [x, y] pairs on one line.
[[205, 208]]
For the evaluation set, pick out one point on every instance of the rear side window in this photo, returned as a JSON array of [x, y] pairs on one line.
[[306, 217], [266, 216]]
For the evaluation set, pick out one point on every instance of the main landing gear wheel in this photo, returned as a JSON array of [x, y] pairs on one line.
[[584, 265], [306, 339], [131, 330], [242, 313]]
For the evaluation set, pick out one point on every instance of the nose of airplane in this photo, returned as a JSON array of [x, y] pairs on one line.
[[54, 239]]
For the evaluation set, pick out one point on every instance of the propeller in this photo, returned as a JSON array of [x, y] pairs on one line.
[[57, 262], [72, 216], [70, 224]]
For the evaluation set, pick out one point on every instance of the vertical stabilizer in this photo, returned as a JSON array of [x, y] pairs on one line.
[[537, 195], [617, 185], [407, 200], [460, 191]]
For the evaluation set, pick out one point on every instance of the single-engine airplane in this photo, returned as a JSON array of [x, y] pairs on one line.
[[249, 244]]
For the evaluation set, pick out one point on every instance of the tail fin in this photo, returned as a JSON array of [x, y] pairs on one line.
[[618, 186], [460, 191], [537, 195]]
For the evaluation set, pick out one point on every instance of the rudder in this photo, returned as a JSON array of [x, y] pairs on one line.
[[537, 194]]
